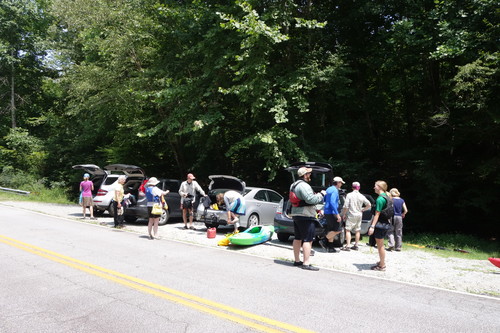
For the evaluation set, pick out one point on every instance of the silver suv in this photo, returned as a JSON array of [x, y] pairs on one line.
[[105, 181]]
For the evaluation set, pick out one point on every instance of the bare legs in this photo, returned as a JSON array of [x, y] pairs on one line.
[[153, 227]]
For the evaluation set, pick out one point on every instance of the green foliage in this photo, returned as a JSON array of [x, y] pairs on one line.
[[23, 152]]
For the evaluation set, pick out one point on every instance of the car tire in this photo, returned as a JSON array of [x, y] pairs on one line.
[[111, 210], [130, 219], [98, 212], [283, 237], [253, 220], [165, 215], [339, 239]]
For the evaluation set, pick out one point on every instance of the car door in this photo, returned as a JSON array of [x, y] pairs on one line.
[[268, 202]]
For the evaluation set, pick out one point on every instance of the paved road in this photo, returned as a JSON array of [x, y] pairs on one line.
[[59, 275]]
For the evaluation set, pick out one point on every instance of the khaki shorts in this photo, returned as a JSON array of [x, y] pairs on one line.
[[87, 202], [353, 223]]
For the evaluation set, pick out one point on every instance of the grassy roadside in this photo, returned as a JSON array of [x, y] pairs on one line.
[[452, 245], [44, 195]]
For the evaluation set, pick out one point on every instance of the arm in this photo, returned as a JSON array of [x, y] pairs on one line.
[[199, 189], [182, 193], [405, 210], [307, 194], [374, 222]]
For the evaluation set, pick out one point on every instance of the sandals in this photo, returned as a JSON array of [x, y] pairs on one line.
[[378, 268], [345, 248]]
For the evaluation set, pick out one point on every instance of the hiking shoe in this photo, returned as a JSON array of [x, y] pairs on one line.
[[398, 250], [310, 268], [391, 248], [355, 248], [298, 263], [185, 227], [323, 243], [332, 250]]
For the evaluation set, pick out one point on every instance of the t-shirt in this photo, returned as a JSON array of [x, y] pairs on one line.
[[86, 186], [156, 192], [354, 203], [381, 203], [332, 200], [398, 206], [119, 193]]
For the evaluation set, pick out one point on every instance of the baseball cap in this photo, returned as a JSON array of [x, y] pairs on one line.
[[339, 179], [303, 170], [86, 175], [190, 176]]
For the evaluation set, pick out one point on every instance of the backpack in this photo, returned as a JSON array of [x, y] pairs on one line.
[[294, 200], [387, 213]]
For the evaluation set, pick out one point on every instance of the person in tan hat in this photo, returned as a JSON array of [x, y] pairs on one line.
[[304, 217], [154, 195], [187, 191]]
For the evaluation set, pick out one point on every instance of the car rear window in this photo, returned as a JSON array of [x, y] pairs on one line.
[[110, 180]]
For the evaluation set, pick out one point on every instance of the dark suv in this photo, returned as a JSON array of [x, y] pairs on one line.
[[138, 210], [321, 179]]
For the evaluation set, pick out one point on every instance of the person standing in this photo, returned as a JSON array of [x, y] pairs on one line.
[[235, 206], [118, 202], [86, 188], [332, 215], [354, 206], [153, 195], [395, 235], [187, 191], [380, 225], [304, 217]]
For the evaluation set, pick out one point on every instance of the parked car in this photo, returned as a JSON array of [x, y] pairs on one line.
[[261, 203], [139, 210], [105, 180], [321, 178]]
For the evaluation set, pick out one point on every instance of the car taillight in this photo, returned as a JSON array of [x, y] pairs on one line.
[[101, 192], [279, 210]]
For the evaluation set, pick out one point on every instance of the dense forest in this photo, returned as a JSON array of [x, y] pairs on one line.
[[404, 91]]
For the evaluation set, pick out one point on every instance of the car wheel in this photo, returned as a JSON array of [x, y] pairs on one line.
[[98, 212], [253, 220], [339, 239], [130, 219], [282, 237], [164, 217], [111, 210]]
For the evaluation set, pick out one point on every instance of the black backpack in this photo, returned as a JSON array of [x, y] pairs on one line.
[[388, 212]]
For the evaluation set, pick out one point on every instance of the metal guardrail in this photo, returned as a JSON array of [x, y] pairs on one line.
[[14, 191]]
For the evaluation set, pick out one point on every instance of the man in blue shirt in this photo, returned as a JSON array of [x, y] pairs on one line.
[[332, 215]]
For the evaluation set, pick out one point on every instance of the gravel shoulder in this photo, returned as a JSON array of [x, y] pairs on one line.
[[411, 265]]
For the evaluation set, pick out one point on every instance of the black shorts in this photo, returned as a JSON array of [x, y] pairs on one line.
[[381, 230], [332, 224], [304, 228], [151, 215]]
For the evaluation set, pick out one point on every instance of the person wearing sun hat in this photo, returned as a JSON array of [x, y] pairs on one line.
[[304, 217], [153, 195], [86, 188], [187, 191]]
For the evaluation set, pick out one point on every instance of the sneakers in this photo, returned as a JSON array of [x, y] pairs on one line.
[[390, 248], [354, 247], [310, 268], [298, 263]]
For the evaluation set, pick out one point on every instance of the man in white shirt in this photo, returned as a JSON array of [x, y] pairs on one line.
[[354, 206], [187, 191]]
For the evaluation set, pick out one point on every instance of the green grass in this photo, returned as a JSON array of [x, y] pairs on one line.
[[480, 249], [40, 195]]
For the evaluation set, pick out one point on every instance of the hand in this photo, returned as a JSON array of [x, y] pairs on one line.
[[370, 231]]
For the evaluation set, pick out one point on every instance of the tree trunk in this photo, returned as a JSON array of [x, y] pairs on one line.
[[12, 99]]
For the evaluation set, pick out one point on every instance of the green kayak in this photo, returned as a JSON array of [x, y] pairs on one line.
[[252, 236]]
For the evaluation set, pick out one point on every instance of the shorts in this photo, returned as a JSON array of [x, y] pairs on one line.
[[238, 207], [381, 230], [353, 223], [304, 228], [87, 202], [187, 203], [151, 216], [332, 224]]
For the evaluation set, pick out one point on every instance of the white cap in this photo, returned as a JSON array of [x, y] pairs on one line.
[[339, 179]]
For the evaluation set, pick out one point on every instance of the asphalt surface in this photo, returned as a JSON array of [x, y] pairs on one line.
[[57, 291]]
